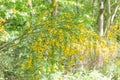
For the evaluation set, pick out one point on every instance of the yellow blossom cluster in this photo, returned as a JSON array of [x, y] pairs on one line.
[[1, 25], [114, 32], [65, 44], [3, 33]]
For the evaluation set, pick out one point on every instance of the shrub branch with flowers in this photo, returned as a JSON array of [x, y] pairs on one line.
[[56, 40], [65, 45]]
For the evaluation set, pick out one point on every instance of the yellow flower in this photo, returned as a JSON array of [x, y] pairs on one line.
[[37, 77], [29, 62], [55, 3], [13, 10], [52, 42], [15, 46], [81, 58], [30, 31], [91, 45], [67, 51], [67, 26], [40, 68], [57, 43], [103, 43], [63, 57], [52, 68], [29, 3], [106, 59], [118, 62], [60, 31], [61, 66], [28, 24], [32, 75], [1, 28], [105, 50], [59, 79], [22, 66], [2, 20]]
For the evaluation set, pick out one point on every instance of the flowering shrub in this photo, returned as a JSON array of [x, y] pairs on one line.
[[41, 38], [3, 33], [63, 46]]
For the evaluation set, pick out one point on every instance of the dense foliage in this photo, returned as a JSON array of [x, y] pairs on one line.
[[42, 39]]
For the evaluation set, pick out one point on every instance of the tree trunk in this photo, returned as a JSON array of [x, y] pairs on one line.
[[30, 3], [55, 7], [93, 2], [109, 16], [101, 19], [77, 6], [49, 1], [101, 33], [114, 13]]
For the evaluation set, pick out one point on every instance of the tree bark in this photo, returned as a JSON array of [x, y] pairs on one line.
[[109, 16], [30, 3], [93, 2], [101, 31], [55, 7], [77, 6], [49, 1], [114, 13], [101, 19]]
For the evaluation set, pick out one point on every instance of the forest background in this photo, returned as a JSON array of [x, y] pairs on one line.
[[59, 39]]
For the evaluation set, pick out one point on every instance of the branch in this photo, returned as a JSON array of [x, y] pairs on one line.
[[2, 47], [101, 18], [8, 43], [109, 16], [115, 3], [114, 13]]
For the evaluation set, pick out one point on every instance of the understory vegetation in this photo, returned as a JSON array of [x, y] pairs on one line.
[[59, 40]]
